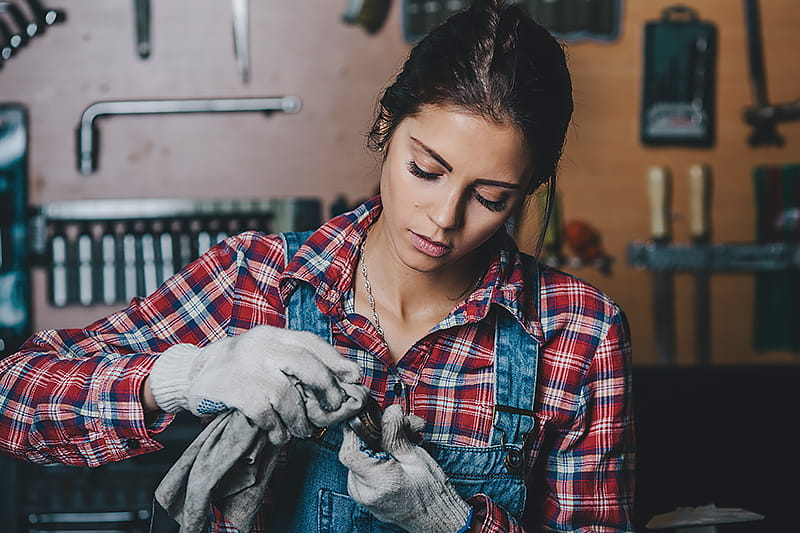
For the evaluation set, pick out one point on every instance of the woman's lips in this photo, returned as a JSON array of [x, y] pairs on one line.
[[429, 247]]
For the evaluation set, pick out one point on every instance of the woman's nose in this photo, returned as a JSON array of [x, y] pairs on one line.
[[446, 210]]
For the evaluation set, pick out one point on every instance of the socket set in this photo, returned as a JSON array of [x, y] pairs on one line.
[[111, 251]]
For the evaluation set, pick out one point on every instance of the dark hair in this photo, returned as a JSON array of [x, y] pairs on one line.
[[495, 61]]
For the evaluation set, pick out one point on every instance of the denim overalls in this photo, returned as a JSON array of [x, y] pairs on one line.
[[313, 496]]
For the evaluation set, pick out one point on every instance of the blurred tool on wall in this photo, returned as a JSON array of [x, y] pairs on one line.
[[597, 20], [659, 191], [566, 19], [587, 245], [241, 37], [700, 235], [106, 252], [553, 240], [777, 299], [240, 11], [582, 240], [141, 14], [774, 259], [15, 290], [369, 14], [88, 134], [763, 117], [19, 26], [679, 73]]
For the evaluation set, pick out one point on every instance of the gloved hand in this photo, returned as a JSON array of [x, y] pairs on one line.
[[287, 382], [402, 485]]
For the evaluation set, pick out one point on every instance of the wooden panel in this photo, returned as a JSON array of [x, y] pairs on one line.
[[603, 172]]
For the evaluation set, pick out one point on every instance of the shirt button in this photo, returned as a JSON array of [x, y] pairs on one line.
[[398, 388], [133, 444]]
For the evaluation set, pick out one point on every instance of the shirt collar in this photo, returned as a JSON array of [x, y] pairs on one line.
[[327, 262]]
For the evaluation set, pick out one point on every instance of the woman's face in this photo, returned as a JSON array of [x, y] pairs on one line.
[[450, 179]]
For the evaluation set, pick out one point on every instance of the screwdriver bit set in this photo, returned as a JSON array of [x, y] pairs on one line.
[[110, 251], [19, 25]]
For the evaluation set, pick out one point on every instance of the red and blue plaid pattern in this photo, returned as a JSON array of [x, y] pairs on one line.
[[72, 396]]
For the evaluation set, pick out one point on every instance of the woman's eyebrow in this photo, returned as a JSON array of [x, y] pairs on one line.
[[445, 164], [433, 154], [498, 183]]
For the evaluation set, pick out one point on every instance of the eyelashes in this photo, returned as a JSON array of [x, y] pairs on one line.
[[497, 206], [494, 206], [418, 172]]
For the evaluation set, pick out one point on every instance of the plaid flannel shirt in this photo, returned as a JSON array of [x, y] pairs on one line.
[[72, 396]]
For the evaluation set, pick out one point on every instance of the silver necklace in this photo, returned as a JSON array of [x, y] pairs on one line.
[[368, 287], [371, 299]]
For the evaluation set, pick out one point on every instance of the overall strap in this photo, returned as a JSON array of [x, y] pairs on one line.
[[516, 364], [302, 313]]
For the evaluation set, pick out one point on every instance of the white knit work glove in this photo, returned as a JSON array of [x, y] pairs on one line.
[[287, 382], [402, 485]]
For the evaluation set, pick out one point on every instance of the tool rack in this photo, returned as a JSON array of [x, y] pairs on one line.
[[665, 259], [110, 251]]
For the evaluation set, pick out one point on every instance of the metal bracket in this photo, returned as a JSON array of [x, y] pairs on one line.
[[714, 257]]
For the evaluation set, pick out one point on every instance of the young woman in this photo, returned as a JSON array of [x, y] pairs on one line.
[[517, 375]]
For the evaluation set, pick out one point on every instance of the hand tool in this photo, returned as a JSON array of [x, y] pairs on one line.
[[28, 28], [552, 251], [659, 191], [85, 289], [58, 267], [108, 245], [46, 16], [678, 83], [763, 117], [367, 425], [700, 233], [6, 49], [141, 9], [369, 14], [241, 38], [10, 40], [87, 130], [130, 267], [165, 244], [586, 244]]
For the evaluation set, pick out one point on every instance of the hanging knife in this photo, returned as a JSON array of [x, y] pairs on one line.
[[241, 38], [700, 231]]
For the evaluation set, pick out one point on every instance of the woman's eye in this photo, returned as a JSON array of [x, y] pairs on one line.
[[418, 172], [491, 205]]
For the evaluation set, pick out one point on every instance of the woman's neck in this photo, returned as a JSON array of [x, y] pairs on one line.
[[412, 295]]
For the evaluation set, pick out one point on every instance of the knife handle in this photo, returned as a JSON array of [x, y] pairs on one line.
[[699, 201], [659, 191]]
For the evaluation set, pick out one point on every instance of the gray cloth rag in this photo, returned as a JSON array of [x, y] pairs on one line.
[[228, 464]]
